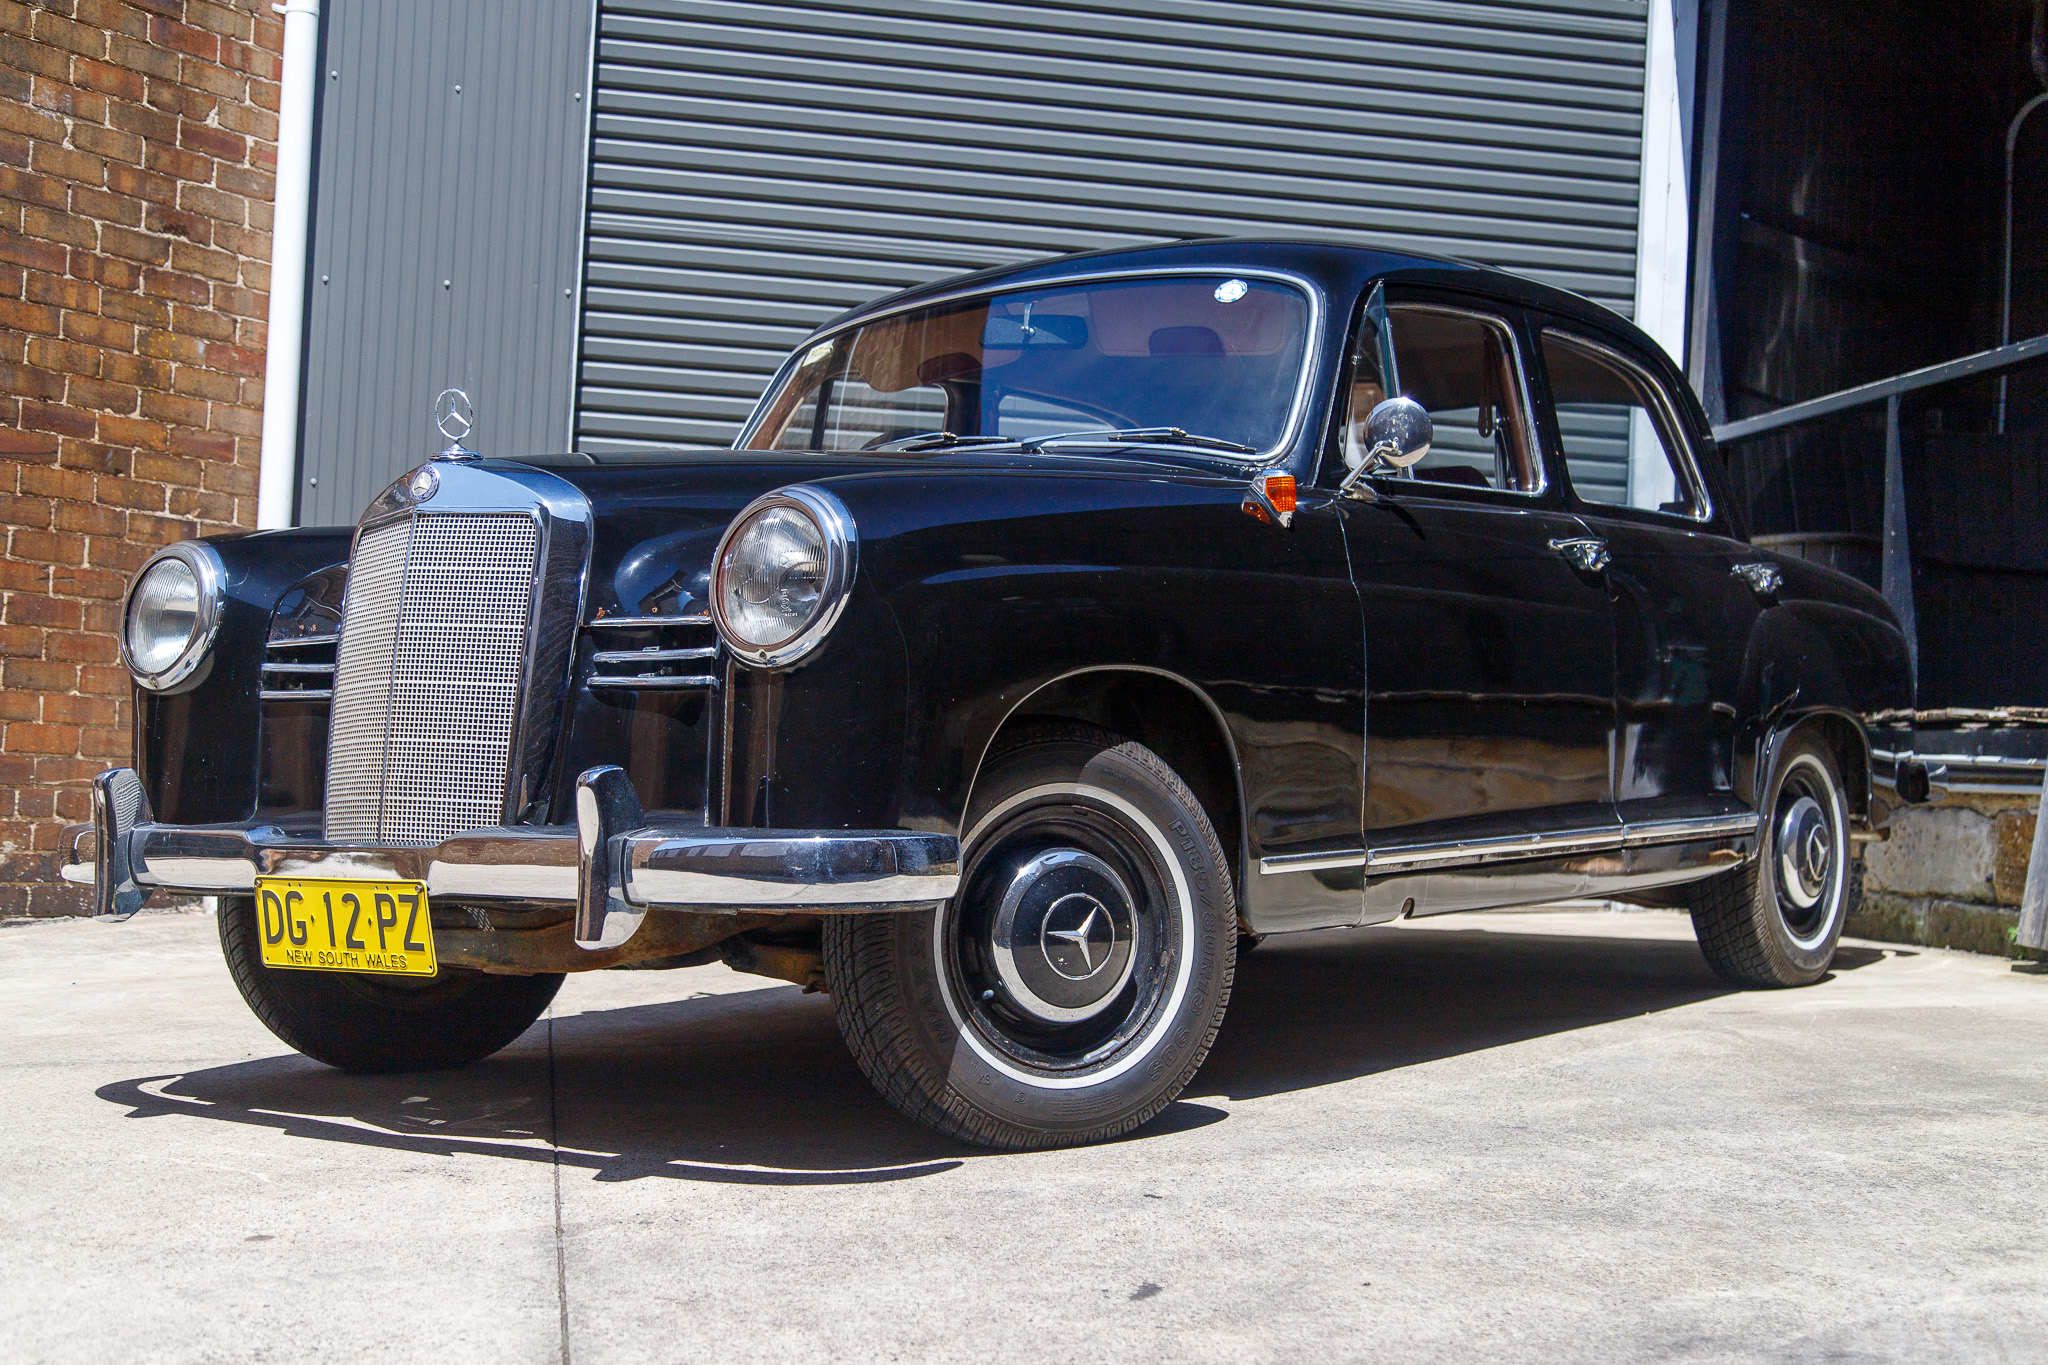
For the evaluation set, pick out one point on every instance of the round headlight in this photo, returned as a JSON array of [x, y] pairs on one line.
[[172, 614], [780, 576]]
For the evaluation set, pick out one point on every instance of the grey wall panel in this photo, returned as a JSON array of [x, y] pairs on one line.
[[418, 184], [757, 167]]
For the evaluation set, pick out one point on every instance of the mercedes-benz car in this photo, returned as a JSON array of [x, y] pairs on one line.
[[1048, 637]]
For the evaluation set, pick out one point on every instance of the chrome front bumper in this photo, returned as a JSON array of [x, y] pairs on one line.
[[612, 866]]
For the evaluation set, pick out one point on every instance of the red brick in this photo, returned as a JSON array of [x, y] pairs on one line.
[[48, 612], [215, 204], [24, 577], [247, 303], [49, 257], [70, 101], [92, 646], [20, 444], [164, 284], [106, 270], [170, 222], [58, 31], [45, 547], [91, 519], [48, 417], [203, 323], [142, 497], [205, 445], [108, 79], [149, 530], [94, 330], [16, 510], [55, 225], [74, 710], [141, 371], [171, 346], [176, 161], [17, 706], [248, 243], [24, 187], [13, 149], [107, 682], [142, 57], [259, 125], [99, 583], [234, 359], [176, 411], [55, 483], [37, 57], [214, 142], [88, 202], [151, 185], [134, 246], [181, 38], [131, 115], [220, 388], [193, 259], [136, 432], [111, 143], [136, 309], [97, 395], [92, 456], [67, 356], [62, 161], [76, 295], [239, 480], [41, 739], [30, 317], [247, 183], [22, 642], [205, 79], [168, 469], [229, 23], [38, 675], [112, 15], [238, 421]]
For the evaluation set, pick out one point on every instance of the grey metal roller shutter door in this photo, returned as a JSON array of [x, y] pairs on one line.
[[756, 168]]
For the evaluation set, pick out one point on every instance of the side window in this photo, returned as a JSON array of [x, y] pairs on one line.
[[1616, 431], [1463, 369]]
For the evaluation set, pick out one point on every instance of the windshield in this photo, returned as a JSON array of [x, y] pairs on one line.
[[1213, 356]]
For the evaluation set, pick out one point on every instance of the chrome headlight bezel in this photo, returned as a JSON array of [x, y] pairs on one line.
[[209, 576], [842, 544]]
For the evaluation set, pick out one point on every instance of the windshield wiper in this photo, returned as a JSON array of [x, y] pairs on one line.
[[939, 440], [1153, 435]]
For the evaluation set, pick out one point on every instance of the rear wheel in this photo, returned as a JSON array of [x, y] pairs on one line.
[[1071, 989], [1776, 920], [370, 1023]]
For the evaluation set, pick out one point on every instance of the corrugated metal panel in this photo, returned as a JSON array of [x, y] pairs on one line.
[[418, 184], [757, 168]]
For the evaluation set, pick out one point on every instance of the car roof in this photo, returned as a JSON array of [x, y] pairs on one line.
[[1339, 267]]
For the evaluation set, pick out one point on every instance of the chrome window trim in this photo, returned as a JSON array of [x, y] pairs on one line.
[[842, 555], [1408, 480], [1669, 429], [1312, 352], [1390, 858], [210, 577]]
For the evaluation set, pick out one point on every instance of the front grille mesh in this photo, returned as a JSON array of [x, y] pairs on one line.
[[427, 683]]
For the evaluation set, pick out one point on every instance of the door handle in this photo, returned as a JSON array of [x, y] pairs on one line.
[[1764, 579], [1587, 554]]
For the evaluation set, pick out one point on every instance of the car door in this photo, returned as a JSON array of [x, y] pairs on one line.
[[1683, 613], [1489, 655]]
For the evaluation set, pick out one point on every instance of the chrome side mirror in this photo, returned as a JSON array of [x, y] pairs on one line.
[[1398, 433]]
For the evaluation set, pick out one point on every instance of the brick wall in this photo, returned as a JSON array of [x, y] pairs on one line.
[[137, 145]]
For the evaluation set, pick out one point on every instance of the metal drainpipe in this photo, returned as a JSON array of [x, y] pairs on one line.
[[279, 475]]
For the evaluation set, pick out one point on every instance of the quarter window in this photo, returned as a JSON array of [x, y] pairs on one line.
[[1619, 444], [1462, 368]]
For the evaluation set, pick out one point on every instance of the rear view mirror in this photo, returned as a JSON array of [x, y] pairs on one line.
[[1060, 330], [1398, 433]]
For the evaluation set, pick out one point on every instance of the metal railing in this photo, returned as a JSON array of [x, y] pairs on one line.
[[1897, 581]]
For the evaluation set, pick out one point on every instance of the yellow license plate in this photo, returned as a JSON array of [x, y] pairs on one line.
[[328, 926]]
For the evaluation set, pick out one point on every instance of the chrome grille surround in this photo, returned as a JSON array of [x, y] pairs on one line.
[[453, 658]]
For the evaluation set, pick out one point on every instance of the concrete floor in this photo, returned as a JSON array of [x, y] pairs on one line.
[[1531, 1136]]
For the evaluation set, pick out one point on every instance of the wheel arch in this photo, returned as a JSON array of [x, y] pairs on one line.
[[1163, 711], [1845, 737]]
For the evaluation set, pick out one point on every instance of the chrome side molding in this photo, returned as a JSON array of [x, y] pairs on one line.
[[1393, 858]]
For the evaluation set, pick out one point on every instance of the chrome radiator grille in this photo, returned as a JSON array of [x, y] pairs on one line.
[[427, 681]]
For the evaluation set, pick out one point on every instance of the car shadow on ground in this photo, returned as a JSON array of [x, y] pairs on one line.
[[755, 1087]]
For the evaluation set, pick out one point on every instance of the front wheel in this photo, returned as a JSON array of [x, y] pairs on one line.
[[371, 1023], [1776, 920], [1070, 990]]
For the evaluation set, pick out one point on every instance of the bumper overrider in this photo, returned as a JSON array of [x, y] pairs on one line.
[[611, 868]]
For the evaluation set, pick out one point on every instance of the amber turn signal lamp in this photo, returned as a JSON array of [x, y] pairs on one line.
[[1270, 498], [1280, 491]]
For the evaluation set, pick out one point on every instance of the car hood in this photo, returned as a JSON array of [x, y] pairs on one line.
[[658, 518]]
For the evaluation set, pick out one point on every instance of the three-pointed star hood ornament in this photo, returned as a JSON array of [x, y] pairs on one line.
[[455, 419]]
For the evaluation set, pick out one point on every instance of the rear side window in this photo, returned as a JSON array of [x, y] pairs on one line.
[[1620, 445]]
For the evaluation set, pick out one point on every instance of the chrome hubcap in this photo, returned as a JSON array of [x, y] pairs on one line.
[[1805, 852], [1062, 937]]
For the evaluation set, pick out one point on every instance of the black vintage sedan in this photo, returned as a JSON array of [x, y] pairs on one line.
[[1049, 637]]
